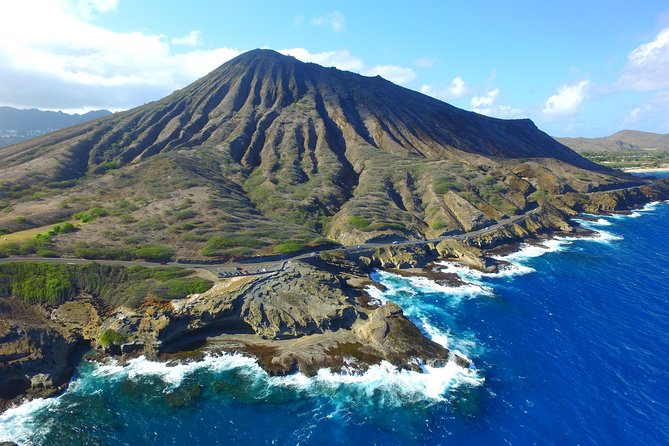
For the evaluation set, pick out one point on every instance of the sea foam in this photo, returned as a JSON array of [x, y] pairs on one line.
[[17, 424]]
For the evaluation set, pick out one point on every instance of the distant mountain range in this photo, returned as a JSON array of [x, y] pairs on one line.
[[18, 125], [620, 141]]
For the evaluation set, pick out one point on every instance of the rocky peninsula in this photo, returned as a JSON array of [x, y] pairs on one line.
[[313, 313]]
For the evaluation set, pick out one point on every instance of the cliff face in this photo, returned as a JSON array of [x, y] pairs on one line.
[[37, 345]]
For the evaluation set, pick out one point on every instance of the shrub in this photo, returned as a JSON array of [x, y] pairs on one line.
[[104, 167], [37, 282], [154, 253], [91, 214], [21, 220], [62, 228], [97, 252], [4, 231], [10, 248], [111, 337], [183, 215], [47, 253]]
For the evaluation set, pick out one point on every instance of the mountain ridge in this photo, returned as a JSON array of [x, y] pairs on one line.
[[623, 140], [17, 125], [267, 153]]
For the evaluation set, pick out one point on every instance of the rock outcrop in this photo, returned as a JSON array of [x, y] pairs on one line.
[[35, 350], [617, 200], [455, 250], [302, 318]]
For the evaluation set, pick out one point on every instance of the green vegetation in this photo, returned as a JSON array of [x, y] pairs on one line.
[[36, 282], [178, 288], [290, 247], [91, 214], [154, 253], [98, 252], [630, 158], [437, 224], [540, 196], [219, 246], [105, 167], [183, 215], [111, 337], [359, 222], [45, 252]]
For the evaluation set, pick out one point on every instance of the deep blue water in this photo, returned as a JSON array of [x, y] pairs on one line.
[[570, 344]]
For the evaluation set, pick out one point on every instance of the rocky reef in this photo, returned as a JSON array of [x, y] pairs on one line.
[[302, 318]]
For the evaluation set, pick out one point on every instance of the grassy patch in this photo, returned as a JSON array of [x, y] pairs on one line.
[[290, 247], [221, 245], [178, 288], [437, 224], [359, 222]]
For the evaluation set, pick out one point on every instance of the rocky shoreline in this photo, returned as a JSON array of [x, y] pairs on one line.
[[313, 314]]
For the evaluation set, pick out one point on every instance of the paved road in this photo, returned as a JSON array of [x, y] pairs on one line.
[[258, 266]]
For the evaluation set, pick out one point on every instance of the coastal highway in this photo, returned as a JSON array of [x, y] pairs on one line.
[[262, 265]]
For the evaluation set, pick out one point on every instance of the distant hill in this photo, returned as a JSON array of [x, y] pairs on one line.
[[268, 155], [18, 125], [624, 140]]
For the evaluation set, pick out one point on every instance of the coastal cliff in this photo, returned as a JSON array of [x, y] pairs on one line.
[[304, 317]]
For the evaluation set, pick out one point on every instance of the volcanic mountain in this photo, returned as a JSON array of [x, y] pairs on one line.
[[267, 154]]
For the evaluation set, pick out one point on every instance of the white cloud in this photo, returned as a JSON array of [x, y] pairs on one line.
[[457, 88], [344, 60], [648, 65], [89, 8], [393, 73], [51, 56], [484, 101], [341, 59], [425, 62], [567, 99], [193, 38], [486, 104], [335, 20]]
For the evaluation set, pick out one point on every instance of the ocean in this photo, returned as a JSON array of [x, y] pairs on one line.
[[569, 345]]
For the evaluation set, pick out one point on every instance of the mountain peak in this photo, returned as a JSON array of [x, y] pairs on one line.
[[293, 151]]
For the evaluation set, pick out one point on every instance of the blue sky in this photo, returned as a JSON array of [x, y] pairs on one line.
[[577, 68]]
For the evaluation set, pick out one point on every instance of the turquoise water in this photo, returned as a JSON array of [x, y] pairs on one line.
[[569, 345]]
